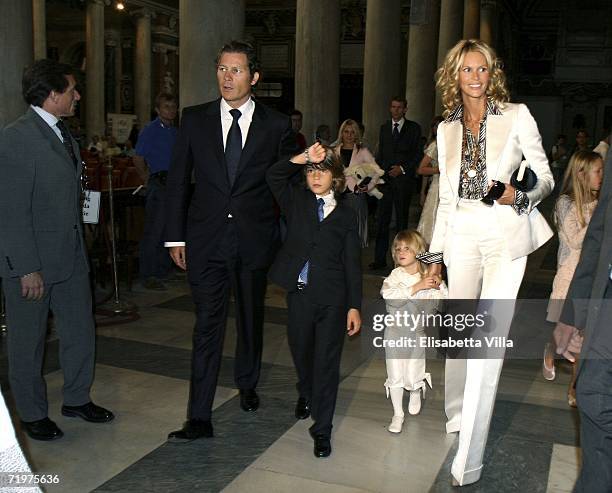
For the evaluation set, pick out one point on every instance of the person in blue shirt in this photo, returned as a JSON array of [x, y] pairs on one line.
[[153, 153]]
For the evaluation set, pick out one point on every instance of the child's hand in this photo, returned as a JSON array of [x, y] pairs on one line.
[[429, 282], [315, 154], [353, 322]]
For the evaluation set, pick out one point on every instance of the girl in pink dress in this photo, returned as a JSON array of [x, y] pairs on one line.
[[573, 212]]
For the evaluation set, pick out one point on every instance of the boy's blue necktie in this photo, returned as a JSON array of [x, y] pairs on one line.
[[304, 271]]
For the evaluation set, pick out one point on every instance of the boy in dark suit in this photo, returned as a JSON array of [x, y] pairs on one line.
[[320, 267]]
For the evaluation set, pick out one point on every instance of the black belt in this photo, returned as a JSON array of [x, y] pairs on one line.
[[160, 176]]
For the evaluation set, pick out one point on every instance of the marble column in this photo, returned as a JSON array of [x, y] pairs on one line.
[[204, 28], [113, 40], [451, 31], [381, 70], [16, 52], [422, 57], [317, 63], [94, 70], [39, 18], [471, 19], [118, 73], [142, 66], [488, 21]]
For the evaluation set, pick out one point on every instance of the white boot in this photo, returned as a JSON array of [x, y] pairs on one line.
[[396, 424], [414, 406], [397, 394]]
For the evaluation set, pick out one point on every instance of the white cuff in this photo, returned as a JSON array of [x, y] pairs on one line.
[[169, 244]]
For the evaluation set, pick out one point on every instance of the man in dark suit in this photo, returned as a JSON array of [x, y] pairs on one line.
[[226, 234], [399, 154], [588, 306], [43, 256]]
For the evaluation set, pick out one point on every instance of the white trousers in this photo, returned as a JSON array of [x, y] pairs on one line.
[[479, 267]]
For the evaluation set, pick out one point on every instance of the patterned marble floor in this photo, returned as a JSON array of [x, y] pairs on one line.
[[142, 374]]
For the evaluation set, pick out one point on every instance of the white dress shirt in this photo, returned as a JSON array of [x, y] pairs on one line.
[[49, 119], [400, 124], [244, 122]]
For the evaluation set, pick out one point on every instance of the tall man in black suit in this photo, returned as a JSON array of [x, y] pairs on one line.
[[399, 154], [44, 259], [226, 234]]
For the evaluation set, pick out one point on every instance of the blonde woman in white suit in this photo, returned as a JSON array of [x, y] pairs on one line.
[[484, 247]]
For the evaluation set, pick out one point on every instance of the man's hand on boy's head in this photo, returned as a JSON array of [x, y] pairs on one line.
[[353, 322]]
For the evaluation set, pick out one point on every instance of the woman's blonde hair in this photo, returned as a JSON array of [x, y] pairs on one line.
[[447, 76], [576, 181], [415, 242], [349, 123]]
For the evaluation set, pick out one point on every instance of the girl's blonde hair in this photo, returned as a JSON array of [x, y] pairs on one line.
[[415, 242], [349, 123], [576, 181], [447, 76]]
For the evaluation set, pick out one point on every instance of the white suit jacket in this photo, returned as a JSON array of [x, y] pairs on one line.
[[510, 136]]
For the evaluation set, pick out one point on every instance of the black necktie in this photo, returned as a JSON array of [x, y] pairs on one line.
[[233, 146], [395, 131], [67, 140]]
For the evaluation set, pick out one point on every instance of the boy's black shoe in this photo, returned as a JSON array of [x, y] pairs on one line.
[[302, 408], [322, 446], [249, 400]]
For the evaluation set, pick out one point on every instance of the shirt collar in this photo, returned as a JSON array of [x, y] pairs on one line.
[[400, 122], [49, 118], [457, 113], [328, 198], [246, 109], [159, 122]]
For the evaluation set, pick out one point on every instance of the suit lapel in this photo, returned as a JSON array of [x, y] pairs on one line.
[[453, 135], [53, 139], [212, 128], [498, 131], [255, 135]]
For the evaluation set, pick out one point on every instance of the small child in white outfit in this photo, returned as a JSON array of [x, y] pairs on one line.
[[408, 290]]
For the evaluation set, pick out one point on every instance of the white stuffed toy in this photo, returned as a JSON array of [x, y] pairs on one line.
[[364, 174]]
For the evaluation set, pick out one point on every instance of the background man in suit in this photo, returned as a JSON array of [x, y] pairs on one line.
[[226, 234], [588, 306], [44, 260], [399, 154]]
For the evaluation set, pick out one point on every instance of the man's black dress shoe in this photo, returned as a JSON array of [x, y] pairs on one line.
[[249, 401], [302, 408], [42, 429], [89, 412], [192, 430], [377, 266], [322, 446]]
